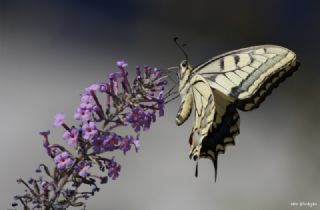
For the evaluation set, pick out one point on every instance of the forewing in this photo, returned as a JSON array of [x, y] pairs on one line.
[[248, 75]]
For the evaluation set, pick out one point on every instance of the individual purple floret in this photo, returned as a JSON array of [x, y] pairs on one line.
[[46, 143], [63, 160], [71, 136], [111, 142], [98, 143], [84, 171], [89, 130], [122, 64], [113, 169], [86, 102], [125, 144], [82, 114], [82, 168], [136, 118], [58, 120], [93, 87], [86, 160]]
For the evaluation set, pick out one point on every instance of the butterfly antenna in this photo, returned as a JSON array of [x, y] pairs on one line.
[[181, 47]]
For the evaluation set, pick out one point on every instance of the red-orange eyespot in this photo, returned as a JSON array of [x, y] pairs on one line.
[[191, 140]]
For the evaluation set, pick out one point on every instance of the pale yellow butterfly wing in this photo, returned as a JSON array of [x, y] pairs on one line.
[[216, 121], [248, 75], [204, 113]]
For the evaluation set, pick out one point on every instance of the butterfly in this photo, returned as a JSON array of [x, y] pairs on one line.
[[219, 87]]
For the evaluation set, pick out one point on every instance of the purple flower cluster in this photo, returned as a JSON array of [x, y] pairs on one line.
[[126, 105], [140, 118]]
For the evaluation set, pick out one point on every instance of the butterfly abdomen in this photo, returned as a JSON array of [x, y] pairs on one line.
[[185, 108]]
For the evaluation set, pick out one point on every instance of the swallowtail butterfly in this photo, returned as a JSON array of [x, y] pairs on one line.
[[218, 88]]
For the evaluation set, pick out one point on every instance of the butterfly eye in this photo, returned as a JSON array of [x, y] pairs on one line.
[[184, 63]]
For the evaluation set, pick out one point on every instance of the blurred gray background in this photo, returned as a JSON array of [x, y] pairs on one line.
[[51, 50]]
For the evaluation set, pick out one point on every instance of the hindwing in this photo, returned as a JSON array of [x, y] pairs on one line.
[[216, 121], [204, 111]]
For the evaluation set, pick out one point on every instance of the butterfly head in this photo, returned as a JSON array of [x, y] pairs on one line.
[[185, 70], [184, 74]]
